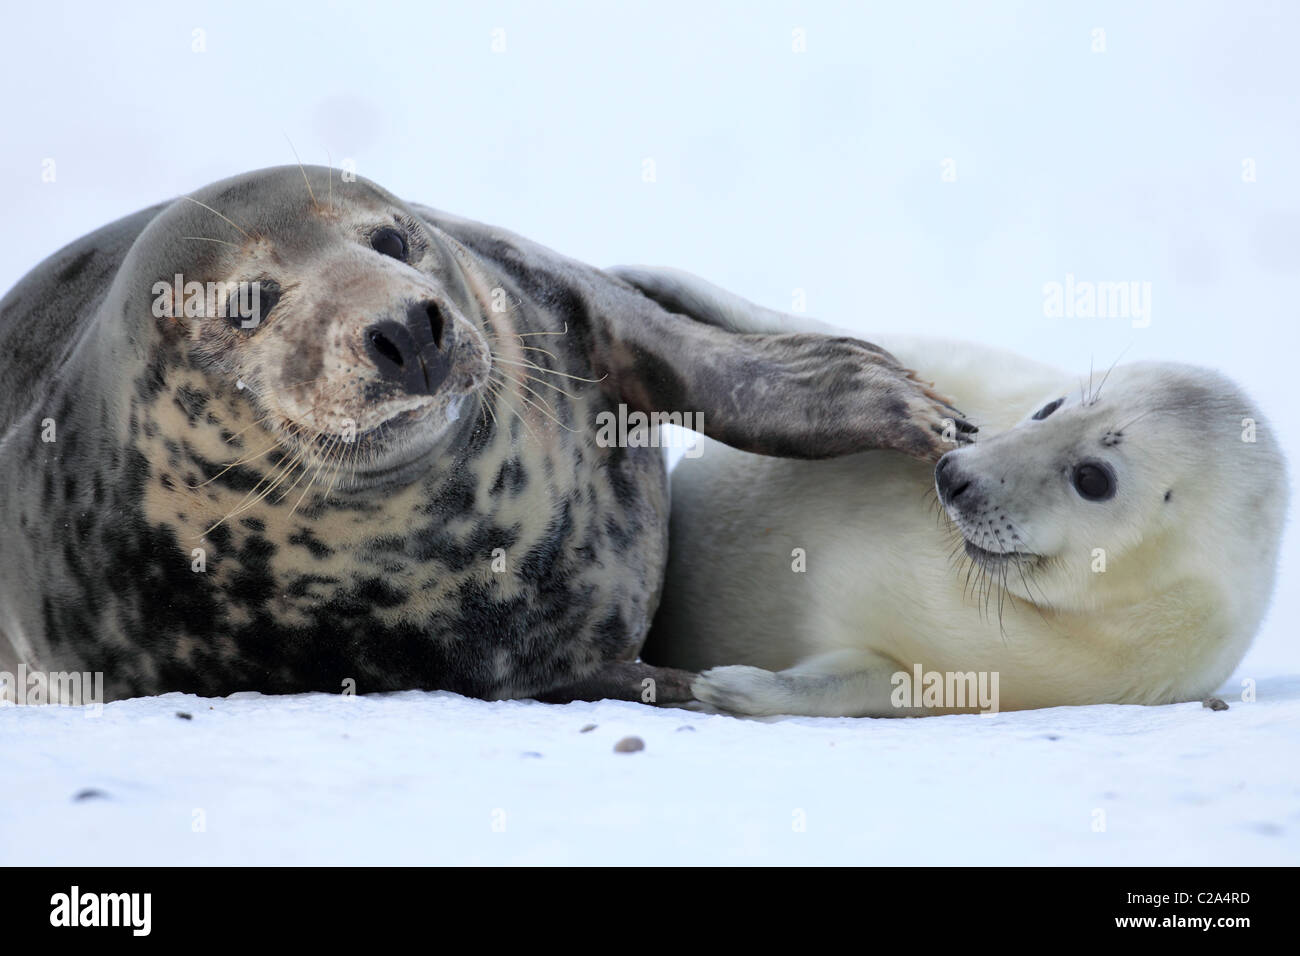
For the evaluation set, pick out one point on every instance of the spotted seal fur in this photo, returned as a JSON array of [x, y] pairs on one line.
[[389, 474]]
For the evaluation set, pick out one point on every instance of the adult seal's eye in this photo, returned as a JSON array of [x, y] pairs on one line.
[[389, 242], [1047, 409], [1094, 481], [250, 306]]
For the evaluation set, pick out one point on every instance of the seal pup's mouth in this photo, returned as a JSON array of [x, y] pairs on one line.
[[998, 559]]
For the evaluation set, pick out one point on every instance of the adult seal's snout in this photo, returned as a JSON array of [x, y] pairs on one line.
[[395, 478], [415, 353]]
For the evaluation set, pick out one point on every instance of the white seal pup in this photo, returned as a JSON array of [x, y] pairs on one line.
[[1115, 544]]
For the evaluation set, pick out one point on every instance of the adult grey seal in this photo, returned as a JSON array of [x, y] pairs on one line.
[[382, 465], [1115, 543]]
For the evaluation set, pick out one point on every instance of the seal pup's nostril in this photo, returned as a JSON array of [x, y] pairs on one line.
[[949, 483]]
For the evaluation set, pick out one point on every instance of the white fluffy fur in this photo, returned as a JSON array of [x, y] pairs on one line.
[[1186, 584]]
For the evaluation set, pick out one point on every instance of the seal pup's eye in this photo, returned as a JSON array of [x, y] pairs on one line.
[[1094, 480], [389, 242], [1047, 409]]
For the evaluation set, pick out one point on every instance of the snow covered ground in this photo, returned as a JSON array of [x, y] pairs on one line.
[[423, 778]]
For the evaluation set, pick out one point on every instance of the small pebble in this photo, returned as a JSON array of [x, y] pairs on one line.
[[629, 745], [1214, 703], [184, 716], [686, 727], [90, 793], [588, 729]]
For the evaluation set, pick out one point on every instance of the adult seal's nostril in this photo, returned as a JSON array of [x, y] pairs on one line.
[[431, 331], [396, 357], [427, 324], [415, 354]]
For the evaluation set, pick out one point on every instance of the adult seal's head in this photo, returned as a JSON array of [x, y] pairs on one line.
[[1095, 500], [295, 433], [352, 339]]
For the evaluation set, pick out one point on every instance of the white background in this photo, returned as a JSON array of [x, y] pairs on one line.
[[775, 170]]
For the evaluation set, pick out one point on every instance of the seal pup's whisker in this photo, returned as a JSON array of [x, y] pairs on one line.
[[1096, 395], [1136, 419]]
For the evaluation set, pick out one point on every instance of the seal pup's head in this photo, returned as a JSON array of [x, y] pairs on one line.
[[341, 315], [1167, 477]]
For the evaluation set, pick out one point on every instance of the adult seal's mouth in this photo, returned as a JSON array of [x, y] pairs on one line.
[[403, 466]]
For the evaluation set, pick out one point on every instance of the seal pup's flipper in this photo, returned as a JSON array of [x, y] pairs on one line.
[[848, 683]]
